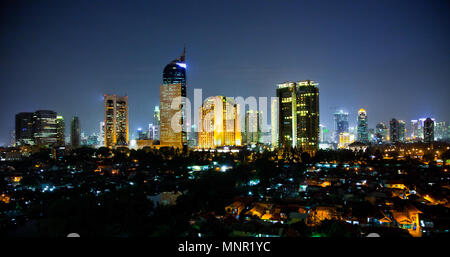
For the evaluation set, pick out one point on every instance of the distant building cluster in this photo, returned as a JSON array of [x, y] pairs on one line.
[[225, 122]]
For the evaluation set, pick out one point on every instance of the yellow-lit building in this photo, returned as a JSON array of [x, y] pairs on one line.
[[219, 123], [345, 139], [116, 121]]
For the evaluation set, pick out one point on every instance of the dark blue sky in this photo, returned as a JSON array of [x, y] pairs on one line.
[[390, 57]]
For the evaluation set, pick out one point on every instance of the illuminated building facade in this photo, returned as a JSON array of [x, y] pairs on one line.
[[363, 130], [440, 131], [116, 121], [75, 132], [60, 131], [401, 131], [345, 139], [381, 133], [220, 123], [415, 130], [428, 130], [24, 129], [101, 137], [172, 120], [156, 123], [274, 123], [45, 128], [340, 124], [298, 123], [397, 131], [252, 127]]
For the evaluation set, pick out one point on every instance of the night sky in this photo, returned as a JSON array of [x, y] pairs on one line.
[[390, 57]]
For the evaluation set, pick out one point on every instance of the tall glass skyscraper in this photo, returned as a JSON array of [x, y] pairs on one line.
[[363, 130], [116, 121], [173, 87], [428, 130], [340, 124], [299, 115], [24, 128], [75, 132]]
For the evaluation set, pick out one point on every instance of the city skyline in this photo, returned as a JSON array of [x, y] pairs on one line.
[[73, 82]]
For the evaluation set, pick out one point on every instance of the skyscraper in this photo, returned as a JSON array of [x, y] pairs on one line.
[[252, 127], [340, 124], [220, 123], [24, 129], [60, 131], [275, 122], [116, 121], [380, 133], [440, 131], [75, 132], [428, 130], [363, 131], [101, 136], [45, 128], [401, 131], [172, 104], [299, 115], [394, 131], [156, 123], [415, 130]]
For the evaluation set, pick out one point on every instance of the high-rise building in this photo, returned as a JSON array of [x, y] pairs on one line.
[[345, 139], [440, 131], [45, 128], [428, 130], [156, 123], [141, 134], [220, 123], [363, 130], [415, 130], [401, 131], [24, 129], [275, 122], [253, 127], [60, 131], [75, 132], [394, 131], [116, 121], [101, 136], [298, 123], [172, 92], [380, 133], [340, 124]]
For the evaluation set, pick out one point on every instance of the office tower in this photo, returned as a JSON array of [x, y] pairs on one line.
[[363, 131], [60, 131], [116, 121], [252, 127], [440, 131], [274, 122], [101, 136], [220, 123], [394, 131], [75, 132], [340, 124], [93, 140], [428, 130], [415, 130], [156, 122], [298, 123], [345, 139], [141, 134], [401, 131], [380, 133], [172, 120], [24, 129], [45, 128]]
